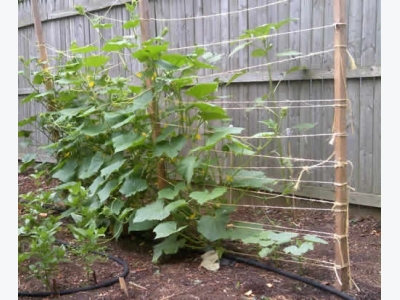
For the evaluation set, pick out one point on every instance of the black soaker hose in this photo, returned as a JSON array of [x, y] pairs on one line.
[[85, 288], [264, 266]]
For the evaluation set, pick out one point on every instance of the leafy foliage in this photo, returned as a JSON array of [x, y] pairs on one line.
[[113, 135]]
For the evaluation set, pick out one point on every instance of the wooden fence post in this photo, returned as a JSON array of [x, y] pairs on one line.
[[43, 60], [341, 205]]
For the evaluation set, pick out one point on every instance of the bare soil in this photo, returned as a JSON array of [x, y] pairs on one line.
[[179, 277]]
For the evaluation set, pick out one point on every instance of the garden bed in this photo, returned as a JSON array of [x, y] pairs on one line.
[[180, 277]]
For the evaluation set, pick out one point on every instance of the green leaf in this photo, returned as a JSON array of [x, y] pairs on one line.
[[201, 90], [166, 229], [171, 207], [150, 52], [128, 140], [314, 239], [169, 193], [235, 76], [114, 166], [80, 10], [243, 230], [304, 126], [186, 167], [142, 226], [205, 196], [27, 121], [165, 65], [85, 49], [238, 148], [170, 245], [279, 238], [131, 24], [105, 192], [30, 97], [288, 53], [152, 211], [170, 148], [252, 179], [116, 206], [212, 229], [132, 186], [239, 47], [103, 26], [141, 102], [258, 53], [221, 133], [94, 130], [265, 252], [67, 172], [210, 111], [95, 185], [299, 251], [95, 61], [117, 44], [95, 164]]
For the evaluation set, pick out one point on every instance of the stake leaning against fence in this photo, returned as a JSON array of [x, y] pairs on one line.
[[44, 60], [342, 260], [153, 108]]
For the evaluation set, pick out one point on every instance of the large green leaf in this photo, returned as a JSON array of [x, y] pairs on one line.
[[141, 102], [202, 90], [212, 228], [205, 196], [314, 239], [128, 140], [105, 192], [95, 61], [171, 207], [84, 49], [152, 211], [242, 230], [132, 186], [279, 238], [95, 185], [150, 52], [171, 193], [221, 133], [298, 251], [170, 245], [210, 111], [95, 164], [67, 172], [165, 229], [186, 167], [170, 148], [141, 226], [114, 166], [93, 130], [116, 206], [252, 179]]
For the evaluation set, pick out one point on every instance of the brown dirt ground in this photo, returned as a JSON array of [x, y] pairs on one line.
[[179, 277]]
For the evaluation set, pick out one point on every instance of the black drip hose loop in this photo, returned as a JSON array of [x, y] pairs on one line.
[[85, 288], [308, 281]]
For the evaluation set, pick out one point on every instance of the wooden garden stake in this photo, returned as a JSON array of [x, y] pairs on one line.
[[341, 205], [153, 108], [43, 59]]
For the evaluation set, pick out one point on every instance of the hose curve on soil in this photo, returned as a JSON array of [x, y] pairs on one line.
[[308, 281], [85, 288]]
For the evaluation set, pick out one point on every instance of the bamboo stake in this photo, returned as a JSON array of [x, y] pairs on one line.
[[43, 60], [153, 108], [341, 206]]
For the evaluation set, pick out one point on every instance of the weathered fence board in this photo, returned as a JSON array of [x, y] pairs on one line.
[[62, 25]]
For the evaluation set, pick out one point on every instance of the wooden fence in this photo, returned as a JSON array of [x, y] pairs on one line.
[[62, 25]]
